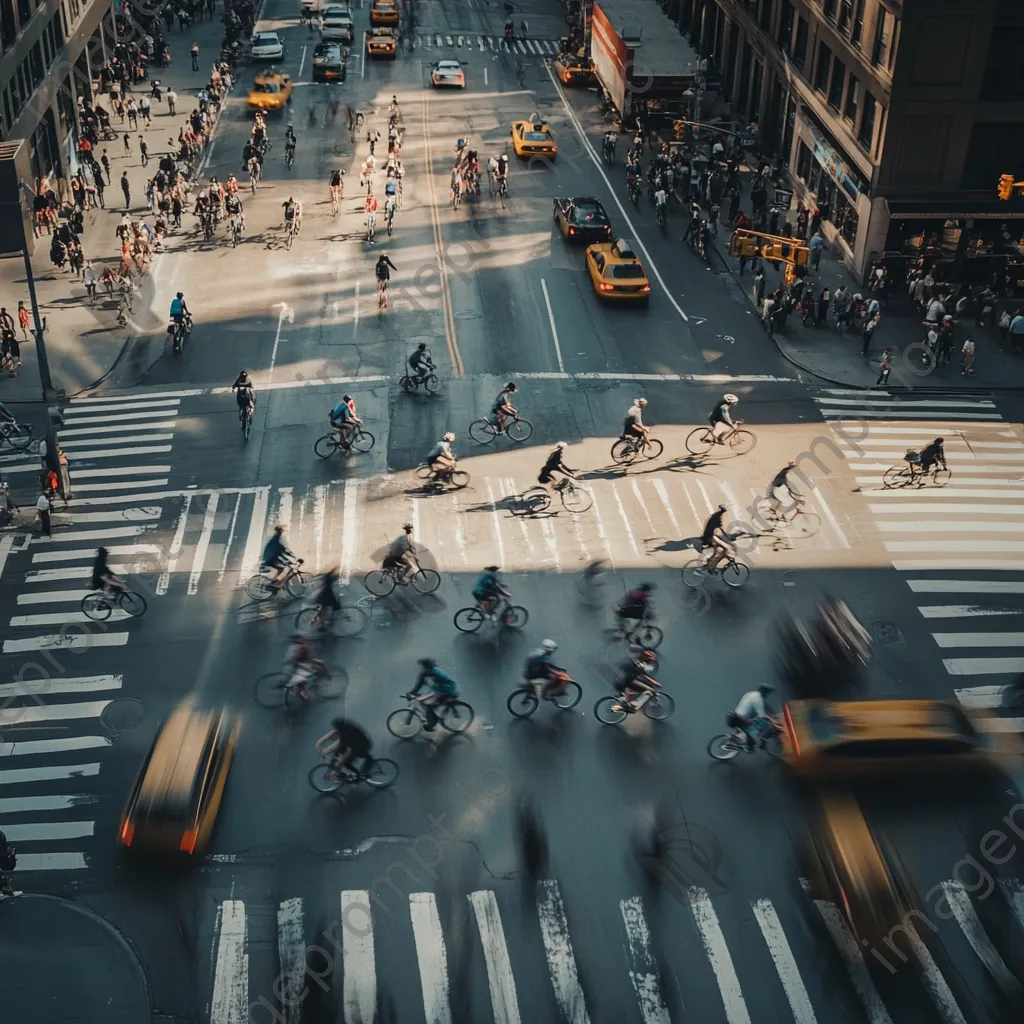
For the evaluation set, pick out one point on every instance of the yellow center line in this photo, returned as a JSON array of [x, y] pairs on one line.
[[435, 221]]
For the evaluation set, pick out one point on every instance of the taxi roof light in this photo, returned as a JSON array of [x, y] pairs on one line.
[[624, 249]]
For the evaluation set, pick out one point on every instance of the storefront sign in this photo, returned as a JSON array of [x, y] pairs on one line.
[[832, 163]]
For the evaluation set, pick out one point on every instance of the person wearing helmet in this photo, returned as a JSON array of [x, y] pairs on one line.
[[751, 718], [540, 668], [245, 397], [401, 556], [721, 415], [488, 589], [932, 454], [292, 215], [277, 556], [715, 537], [439, 685], [634, 608], [634, 677], [784, 497], [337, 185], [502, 405], [555, 463], [633, 425], [178, 308], [420, 363], [503, 167], [344, 420], [441, 458]]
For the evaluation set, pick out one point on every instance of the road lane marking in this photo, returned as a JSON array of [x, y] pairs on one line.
[[554, 930], [963, 611], [51, 862], [48, 831], [78, 684], [231, 969], [643, 968], [431, 957], [203, 545], [254, 538], [48, 773], [291, 957], [231, 537], [64, 642], [349, 530], [359, 969], [176, 544], [496, 522], [48, 802], [500, 981], [719, 956], [785, 962], [554, 329], [285, 314], [967, 917], [33, 748]]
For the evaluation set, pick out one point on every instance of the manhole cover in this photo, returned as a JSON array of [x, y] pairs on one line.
[[885, 633], [122, 714]]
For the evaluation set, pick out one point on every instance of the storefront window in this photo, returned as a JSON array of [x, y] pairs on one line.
[[866, 134], [844, 216], [803, 162]]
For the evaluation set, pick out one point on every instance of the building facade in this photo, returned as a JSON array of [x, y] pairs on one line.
[[896, 117]]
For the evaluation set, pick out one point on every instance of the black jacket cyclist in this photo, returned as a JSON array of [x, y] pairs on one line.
[[384, 267]]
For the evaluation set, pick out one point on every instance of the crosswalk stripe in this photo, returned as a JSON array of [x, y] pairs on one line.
[[967, 918], [71, 535], [935, 984], [75, 412], [61, 745], [991, 640], [983, 666], [112, 453], [203, 546], [1014, 893], [554, 929], [718, 954], [94, 474], [87, 554], [114, 444], [126, 401], [502, 985], [431, 956], [120, 485], [59, 618], [51, 862], [119, 419], [291, 951], [64, 642], [229, 1004], [980, 697], [903, 405], [785, 962], [47, 773], [53, 597], [928, 508], [60, 684], [958, 546], [643, 971], [65, 435], [359, 976], [76, 572], [963, 611], [47, 832], [949, 526], [254, 539], [45, 802]]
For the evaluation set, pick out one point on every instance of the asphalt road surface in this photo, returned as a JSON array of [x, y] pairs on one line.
[[510, 874]]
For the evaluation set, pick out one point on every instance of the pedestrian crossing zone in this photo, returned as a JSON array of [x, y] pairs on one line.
[[958, 546], [497, 44]]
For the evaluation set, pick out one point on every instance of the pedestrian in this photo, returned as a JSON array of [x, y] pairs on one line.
[[968, 355], [884, 367], [143, 151], [63, 475], [23, 319], [768, 314], [816, 244], [945, 348], [371, 138], [870, 327], [986, 308], [127, 144], [105, 160], [133, 115], [195, 56], [172, 97], [144, 109], [823, 303], [100, 185], [43, 510], [759, 288], [734, 207], [126, 189]]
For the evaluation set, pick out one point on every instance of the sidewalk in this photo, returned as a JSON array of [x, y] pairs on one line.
[[83, 343], [837, 358], [62, 962]]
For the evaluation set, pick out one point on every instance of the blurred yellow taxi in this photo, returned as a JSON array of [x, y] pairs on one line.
[[174, 802], [384, 12], [533, 138], [616, 272], [852, 738], [381, 43], [573, 70], [270, 91]]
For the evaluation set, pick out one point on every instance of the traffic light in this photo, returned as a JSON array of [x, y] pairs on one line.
[[1005, 186]]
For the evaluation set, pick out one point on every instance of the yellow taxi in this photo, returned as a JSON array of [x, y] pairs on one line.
[[573, 70], [270, 91], [533, 138], [176, 796], [384, 12], [381, 42], [823, 738], [616, 272]]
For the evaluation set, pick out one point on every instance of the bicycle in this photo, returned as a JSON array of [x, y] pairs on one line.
[[382, 295], [389, 218], [631, 447], [642, 633], [502, 191], [359, 440], [905, 476], [289, 156], [456, 198], [297, 687], [485, 430], [729, 744], [411, 382], [453, 715], [262, 587], [101, 603], [633, 191], [730, 571], [19, 437], [245, 415], [329, 777], [438, 478], [236, 231], [348, 620], [181, 329], [510, 616], [574, 498], [207, 224], [702, 440], [563, 692], [661, 215], [795, 521], [656, 706], [290, 231], [380, 582]]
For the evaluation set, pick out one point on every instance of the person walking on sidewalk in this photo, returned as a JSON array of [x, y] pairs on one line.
[[89, 279], [43, 510], [823, 303], [869, 332], [100, 184], [133, 115], [105, 160], [195, 56], [884, 367], [172, 97], [841, 306], [126, 189], [968, 353], [127, 144], [143, 151], [945, 348], [759, 288], [144, 110], [816, 244], [23, 319]]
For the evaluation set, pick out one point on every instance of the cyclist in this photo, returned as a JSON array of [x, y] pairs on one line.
[[419, 362], [751, 718], [234, 209], [383, 269], [243, 380], [460, 147], [635, 678], [555, 464], [277, 556], [932, 454], [441, 686], [346, 744], [488, 589], [178, 308], [660, 202], [608, 145], [245, 397], [390, 205], [292, 215], [541, 671], [401, 556], [634, 607], [300, 665], [633, 425], [519, 71], [231, 185], [337, 184], [721, 415], [492, 172], [102, 576], [327, 602], [503, 168], [391, 185], [503, 406], [395, 110], [456, 182], [344, 419], [781, 492], [289, 141], [714, 536], [370, 208], [440, 457]]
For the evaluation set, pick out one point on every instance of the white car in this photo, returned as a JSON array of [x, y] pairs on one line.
[[448, 72], [266, 46], [336, 25]]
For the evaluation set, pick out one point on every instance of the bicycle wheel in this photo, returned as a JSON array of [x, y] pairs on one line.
[[383, 772], [455, 715], [694, 574], [772, 744], [348, 620], [514, 617], [519, 431], [132, 603], [535, 500], [21, 439], [468, 620], [659, 707], [941, 476], [896, 476], [735, 574], [431, 384], [426, 581], [326, 446], [404, 723], [724, 747], [570, 696], [362, 441], [379, 582], [246, 426], [97, 606], [623, 451], [459, 479], [576, 499], [323, 686], [648, 636], [653, 449], [522, 702], [259, 588], [324, 779], [607, 710], [742, 441], [271, 690], [407, 384], [483, 431], [699, 441], [804, 524], [298, 584]]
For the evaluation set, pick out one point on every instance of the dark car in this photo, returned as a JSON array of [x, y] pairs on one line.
[[583, 219], [327, 63]]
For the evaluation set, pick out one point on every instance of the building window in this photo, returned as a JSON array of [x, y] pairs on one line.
[[24, 12], [1004, 71], [835, 88], [829, 7], [785, 36], [8, 26], [8, 113], [858, 22], [850, 110], [74, 11], [880, 47], [36, 68], [803, 161], [866, 134], [58, 33], [767, 10], [821, 69], [800, 46]]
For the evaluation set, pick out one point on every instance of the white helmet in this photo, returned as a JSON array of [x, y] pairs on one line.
[[562, 444], [641, 402], [449, 436], [731, 399], [549, 645]]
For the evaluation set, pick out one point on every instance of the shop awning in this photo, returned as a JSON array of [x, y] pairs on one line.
[[945, 209]]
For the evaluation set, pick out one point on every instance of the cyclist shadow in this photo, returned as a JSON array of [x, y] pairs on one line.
[[690, 464]]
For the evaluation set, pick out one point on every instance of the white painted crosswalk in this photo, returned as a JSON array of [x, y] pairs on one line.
[[382, 952], [497, 44]]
